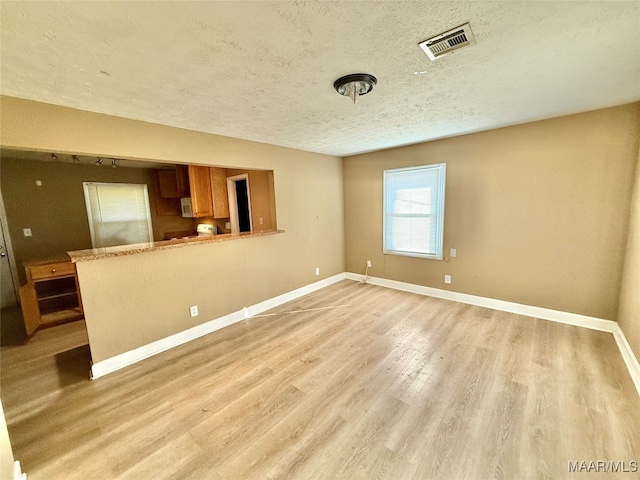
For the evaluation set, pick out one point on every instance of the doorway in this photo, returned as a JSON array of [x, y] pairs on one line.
[[239, 203], [11, 327], [7, 280]]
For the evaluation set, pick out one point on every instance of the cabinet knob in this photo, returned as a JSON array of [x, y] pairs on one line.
[[53, 270]]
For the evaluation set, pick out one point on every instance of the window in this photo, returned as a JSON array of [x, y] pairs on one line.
[[414, 211], [118, 213]]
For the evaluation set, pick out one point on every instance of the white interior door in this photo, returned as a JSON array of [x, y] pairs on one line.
[[240, 221], [6, 281]]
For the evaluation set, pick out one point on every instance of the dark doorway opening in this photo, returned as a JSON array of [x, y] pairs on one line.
[[242, 197]]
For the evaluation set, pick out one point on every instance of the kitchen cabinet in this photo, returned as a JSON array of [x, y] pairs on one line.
[[164, 206], [219, 193], [182, 180], [206, 186], [173, 183], [51, 294], [168, 184], [200, 188]]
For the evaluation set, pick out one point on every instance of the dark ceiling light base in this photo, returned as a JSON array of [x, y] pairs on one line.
[[355, 85]]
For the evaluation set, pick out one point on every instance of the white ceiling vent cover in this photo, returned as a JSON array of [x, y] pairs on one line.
[[447, 42]]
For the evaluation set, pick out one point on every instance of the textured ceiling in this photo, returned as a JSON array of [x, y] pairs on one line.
[[264, 71]]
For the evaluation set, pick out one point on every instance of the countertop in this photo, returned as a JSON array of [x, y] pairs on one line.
[[46, 261], [106, 252]]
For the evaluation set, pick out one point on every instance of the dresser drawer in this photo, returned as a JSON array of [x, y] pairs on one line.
[[51, 270]]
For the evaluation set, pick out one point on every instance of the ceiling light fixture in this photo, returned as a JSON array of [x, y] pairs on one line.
[[54, 157], [355, 85], [99, 162], [75, 159], [113, 163]]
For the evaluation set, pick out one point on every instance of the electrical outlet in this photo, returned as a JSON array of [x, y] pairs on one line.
[[27, 232], [369, 263], [317, 270], [453, 252], [193, 310], [261, 221], [447, 279]]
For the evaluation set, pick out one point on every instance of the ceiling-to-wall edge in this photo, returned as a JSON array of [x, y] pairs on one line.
[[110, 134], [500, 127]]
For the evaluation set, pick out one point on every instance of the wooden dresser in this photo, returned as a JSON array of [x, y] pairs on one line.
[[51, 295]]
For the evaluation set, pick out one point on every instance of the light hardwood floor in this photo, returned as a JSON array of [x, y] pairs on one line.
[[385, 385]]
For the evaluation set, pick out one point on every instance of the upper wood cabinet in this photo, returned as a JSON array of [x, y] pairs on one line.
[[168, 184], [219, 193], [164, 206], [206, 186], [200, 186], [182, 179], [174, 183]]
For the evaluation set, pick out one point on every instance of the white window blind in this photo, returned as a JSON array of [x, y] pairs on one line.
[[118, 214], [414, 211]]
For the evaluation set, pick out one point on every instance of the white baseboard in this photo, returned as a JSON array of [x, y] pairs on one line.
[[292, 295], [125, 359], [628, 356], [18, 474], [568, 318]]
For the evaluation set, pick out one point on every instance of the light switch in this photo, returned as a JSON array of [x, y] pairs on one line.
[[27, 232], [453, 252], [39, 183]]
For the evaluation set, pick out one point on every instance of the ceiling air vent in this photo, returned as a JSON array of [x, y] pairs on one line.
[[447, 42]]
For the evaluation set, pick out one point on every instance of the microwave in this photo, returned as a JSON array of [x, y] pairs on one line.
[[185, 206]]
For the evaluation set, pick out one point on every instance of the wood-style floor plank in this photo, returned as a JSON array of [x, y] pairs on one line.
[[352, 381]]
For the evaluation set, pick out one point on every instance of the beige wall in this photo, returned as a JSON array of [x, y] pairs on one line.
[[56, 212], [134, 300], [629, 309], [538, 212]]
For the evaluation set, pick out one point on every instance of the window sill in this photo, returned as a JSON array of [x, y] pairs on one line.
[[414, 255]]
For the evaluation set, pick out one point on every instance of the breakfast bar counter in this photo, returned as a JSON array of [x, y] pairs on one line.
[[106, 252]]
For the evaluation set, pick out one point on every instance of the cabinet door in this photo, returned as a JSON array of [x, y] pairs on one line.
[[200, 186], [219, 193], [168, 182], [182, 178], [30, 310], [165, 206]]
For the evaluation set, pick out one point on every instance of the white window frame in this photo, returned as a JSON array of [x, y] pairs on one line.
[[439, 224], [87, 185]]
